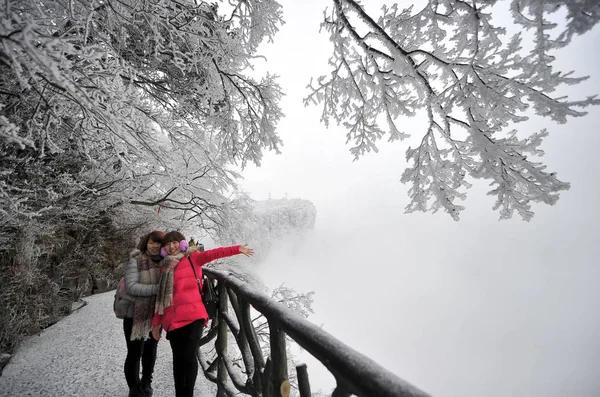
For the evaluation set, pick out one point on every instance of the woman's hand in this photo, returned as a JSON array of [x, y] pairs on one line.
[[245, 250], [156, 332]]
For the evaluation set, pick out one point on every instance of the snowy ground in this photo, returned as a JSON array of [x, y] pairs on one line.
[[83, 356]]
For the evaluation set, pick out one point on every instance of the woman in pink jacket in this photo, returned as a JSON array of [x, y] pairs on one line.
[[179, 308]]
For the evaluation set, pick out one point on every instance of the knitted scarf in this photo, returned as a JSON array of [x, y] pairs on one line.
[[143, 310], [164, 297]]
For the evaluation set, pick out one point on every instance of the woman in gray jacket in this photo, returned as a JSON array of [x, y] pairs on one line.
[[141, 281]]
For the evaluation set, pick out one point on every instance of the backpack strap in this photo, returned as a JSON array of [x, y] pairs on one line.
[[196, 276]]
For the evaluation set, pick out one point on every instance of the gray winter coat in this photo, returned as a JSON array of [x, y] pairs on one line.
[[133, 287]]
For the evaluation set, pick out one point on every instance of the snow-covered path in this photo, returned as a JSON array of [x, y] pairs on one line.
[[83, 355]]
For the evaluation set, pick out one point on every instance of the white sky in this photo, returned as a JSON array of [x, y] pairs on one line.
[[471, 308]]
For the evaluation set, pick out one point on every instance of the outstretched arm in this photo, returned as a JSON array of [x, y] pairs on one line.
[[202, 258]]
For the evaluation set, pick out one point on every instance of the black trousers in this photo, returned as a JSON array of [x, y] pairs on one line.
[[185, 342], [138, 350]]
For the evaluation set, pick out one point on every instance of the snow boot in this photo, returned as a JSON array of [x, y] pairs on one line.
[[145, 388], [135, 392]]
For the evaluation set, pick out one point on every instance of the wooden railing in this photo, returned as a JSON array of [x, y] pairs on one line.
[[355, 374]]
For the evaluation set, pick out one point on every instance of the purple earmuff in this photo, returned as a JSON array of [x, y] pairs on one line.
[[183, 245]]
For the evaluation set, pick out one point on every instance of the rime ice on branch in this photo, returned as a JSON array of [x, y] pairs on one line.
[[448, 60], [149, 103]]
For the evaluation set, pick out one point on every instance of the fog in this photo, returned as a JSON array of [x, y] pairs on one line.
[[478, 307]]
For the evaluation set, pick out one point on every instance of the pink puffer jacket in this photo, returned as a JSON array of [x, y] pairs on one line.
[[187, 305]]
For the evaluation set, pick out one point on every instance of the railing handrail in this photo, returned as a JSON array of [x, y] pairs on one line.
[[361, 375]]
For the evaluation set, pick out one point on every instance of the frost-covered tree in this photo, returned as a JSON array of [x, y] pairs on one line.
[[451, 61], [120, 116], [149, 100]]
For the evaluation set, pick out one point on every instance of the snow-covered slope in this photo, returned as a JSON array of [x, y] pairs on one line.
[[83, 356]]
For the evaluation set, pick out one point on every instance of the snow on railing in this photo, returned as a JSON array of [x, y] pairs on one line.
[[355, 373]]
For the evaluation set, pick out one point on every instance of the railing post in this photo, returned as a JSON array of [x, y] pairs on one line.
[[221, 344], [303, 382], [266, 379], [242, 339], [257, 354], [279, 375]]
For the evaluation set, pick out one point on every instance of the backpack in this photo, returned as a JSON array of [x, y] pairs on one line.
[[122, 301]]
